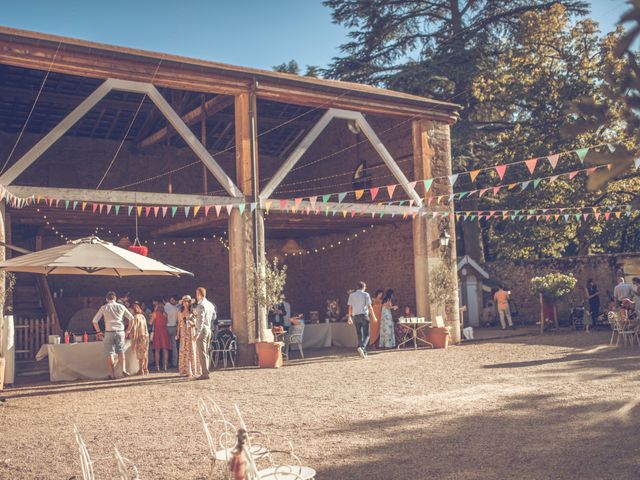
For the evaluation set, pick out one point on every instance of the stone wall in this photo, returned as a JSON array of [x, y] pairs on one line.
[[603, 269]]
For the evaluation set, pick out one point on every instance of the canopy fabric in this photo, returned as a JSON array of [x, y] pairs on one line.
[[89, 256]]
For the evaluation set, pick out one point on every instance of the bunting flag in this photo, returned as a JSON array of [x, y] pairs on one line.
[[573, 174], [427, 184], [524, 185], [636, 162], [164, 211], [473, 174], [174, 210], [75, 204], [156, 210], [94, 207], [453, 178], [325, 198], [536, 182], [186, 211], [252, 206], [117, 209], [412, 185], [341, 196], [496, 190], [196, 209], [482, 192], [553, 179], [218, 209], [129, 210], [241, 208], [206, 210], [501, 169], [553, 160], [139, 211], [147, 211], [84, 205], [297, 202], [359, 194], [267, 206], [312, 201], [390, 190], [591, 170], [374, 193], [108, 209], [582, 152], [531, 164], [229, 208], [283, 204]]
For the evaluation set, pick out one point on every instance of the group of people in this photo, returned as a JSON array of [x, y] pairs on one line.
[[188, 323]]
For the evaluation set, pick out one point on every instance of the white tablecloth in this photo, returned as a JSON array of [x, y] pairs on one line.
[[82, 361], [343, 335], [317, 335]]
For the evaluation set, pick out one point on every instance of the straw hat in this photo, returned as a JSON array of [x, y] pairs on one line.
[[186, 298]]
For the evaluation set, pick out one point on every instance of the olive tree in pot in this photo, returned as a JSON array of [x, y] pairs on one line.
[[266, 290], [440, 288], [550, 288], [6, 330]]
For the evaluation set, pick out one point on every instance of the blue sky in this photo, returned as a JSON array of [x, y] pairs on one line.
[[255, 33]]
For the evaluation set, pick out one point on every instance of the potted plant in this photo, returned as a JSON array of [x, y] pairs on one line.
[[6, 326], [550, 288], [266, 291], [440, 289]]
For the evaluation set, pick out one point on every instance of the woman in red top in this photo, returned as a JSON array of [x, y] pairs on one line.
[[160, 336]]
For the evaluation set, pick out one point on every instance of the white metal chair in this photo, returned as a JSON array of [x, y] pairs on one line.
[[295, 337], [622, 329], [225, 347], [124, 464], [85, 460]]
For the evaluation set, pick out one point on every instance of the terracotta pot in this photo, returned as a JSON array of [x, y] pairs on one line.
[[269, 354], [3, 362], [438, 336]]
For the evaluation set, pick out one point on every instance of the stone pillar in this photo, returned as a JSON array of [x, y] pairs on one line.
[[432, 158]]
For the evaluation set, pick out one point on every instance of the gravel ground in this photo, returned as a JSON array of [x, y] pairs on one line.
[[561, 406]]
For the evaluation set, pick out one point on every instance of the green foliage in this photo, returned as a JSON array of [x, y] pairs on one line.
[[441, 286], [553, 285], [293, 68], [267, 284], [513, 66]]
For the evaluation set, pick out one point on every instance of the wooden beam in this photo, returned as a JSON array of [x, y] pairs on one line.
[[185, 225], [211, 107], [122, 197], [49, 139]]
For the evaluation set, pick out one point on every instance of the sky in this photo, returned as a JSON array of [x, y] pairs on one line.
[[252, 33]]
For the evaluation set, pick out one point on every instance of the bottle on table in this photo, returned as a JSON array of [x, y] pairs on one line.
[[66, 337]]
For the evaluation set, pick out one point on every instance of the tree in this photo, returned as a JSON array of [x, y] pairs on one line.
[[293, 68], [438, 49]]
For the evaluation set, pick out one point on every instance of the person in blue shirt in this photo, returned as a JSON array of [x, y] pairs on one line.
[[361, 313]]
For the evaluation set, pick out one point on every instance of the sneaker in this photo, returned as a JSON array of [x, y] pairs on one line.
[[361, 352]]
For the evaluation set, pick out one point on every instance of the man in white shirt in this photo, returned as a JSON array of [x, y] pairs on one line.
[[360, 312], [205, 313], [113, 337], [171, 309], [622, 290]]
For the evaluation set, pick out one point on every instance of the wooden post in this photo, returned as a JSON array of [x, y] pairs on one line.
[[432, 157], [203, 140], [3, 252], [541, 314], [242, 235]]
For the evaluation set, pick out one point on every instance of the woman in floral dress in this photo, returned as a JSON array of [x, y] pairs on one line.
[[387, 330], [138, 334], [188, 359]]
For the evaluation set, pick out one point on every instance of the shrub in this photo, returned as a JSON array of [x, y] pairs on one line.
[[553, 286]]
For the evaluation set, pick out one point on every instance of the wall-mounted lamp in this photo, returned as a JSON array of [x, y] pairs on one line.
[[444, 239]]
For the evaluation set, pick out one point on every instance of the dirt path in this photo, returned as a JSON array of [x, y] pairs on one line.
[[553, 407]]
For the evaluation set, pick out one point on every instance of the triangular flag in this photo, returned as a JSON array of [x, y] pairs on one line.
[[174, 210], [117, 209], [473, 174], [473, 192], [390, 190], [229, 208], [573, 174], [412, 185], [312, 201], [297, 202], [536, 182], [524, 185], [206, 210], [218, 209], [156, 210], [84, 205], [607, 215], [147, 211], [553, 160], [553, 179], [66, 204], [325, 198], [108, 209], [482, 192], [341, 196], [612, 147], [591, 170], [566, 217], [283, 204], [94, 207], [196, 209], [267, 206], [241, 208], [582, 152], [344, 213], [496, 190], [617, 214], [139, 211], [636, 163], [597, 215], [585, 216], [164, 211], [453, 178], [461, 195], [359, 194], [427, 184], [531, 164], [374, 192], [129, 210], [577, 215], [501, 169], [75, 204], [252, 206], [186, 211]]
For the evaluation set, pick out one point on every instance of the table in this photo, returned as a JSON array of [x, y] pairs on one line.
[[343, 335], [317, 335], [82, 361], [415, 324]]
